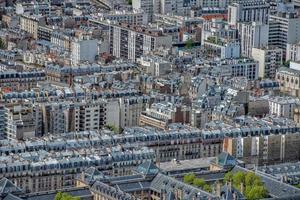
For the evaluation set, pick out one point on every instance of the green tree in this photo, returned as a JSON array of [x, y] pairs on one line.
[[199, 182], [256, 192], [129, 2], [251, 179], [207, 188], [228, 177], [189, 178], [298, 185], [65, 196], [189, 44], [2, 44], [253, 186], [113, 128], [287, 63], [238, 179]]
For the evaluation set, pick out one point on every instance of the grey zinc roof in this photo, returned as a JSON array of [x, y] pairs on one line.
[[6, 187], [78, 192], [11, 197], [163, 182]]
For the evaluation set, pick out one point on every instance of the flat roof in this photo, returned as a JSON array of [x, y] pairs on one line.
[[177, 165]]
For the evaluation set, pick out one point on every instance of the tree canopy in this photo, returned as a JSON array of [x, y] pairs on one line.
[[199, 182], [65, 196], [189, 178], [248, 183], [189, 44], [113, 128], [2, 44]]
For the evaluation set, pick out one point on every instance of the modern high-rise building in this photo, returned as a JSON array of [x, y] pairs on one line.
[[296, 3], [2, 121], [252, 35], [146, 5], [137, 17], [284, 28], [22, 121], [268, 149], [212, 3], [269, 59], [248, 11], [132, 42], [293, 52], [84, 50]]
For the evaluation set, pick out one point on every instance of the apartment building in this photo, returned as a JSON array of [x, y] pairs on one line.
[[222, 49], [270, 60], [212, 3], [289, 80], [248, 11], [130, 110], [164, 7], [293, 52], [55, 171], [22, 121], [261, 150], [145, 5], [284, 28], [84, 50], [160, 115], [31, 24], [218, 27], [35, 8], [252, 35], [12, 80], [44, 33], [239, 68], [131, 42], [155, 65], [2, 122], [283, 106], [136, 17], [62, 40]]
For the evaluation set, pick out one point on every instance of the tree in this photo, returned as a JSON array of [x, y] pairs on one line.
[[256, 192], [207, 188], [113, 128], [238, 179], [129, 2], [287, 63], [228, 177], [2, 44], [189, 178], [199, 182], [254, 188], [65, 196], [251, 179], [189, 44]]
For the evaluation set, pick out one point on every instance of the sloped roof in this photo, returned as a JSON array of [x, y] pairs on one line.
[[6, 187], [230, 193], [147, 168], [11, 197], [92, 174], [275, 188], [170, 196], [225, 159]]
